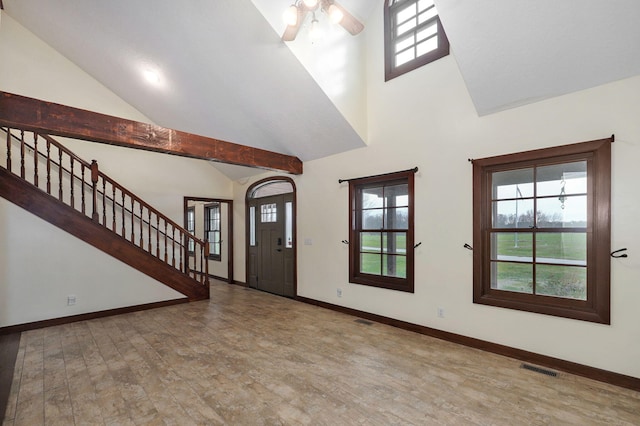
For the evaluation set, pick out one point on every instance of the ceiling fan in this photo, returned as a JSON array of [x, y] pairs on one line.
[[296, 13]]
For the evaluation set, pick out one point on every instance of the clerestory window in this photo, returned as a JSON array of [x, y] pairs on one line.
[[542, 231], [413, 36]]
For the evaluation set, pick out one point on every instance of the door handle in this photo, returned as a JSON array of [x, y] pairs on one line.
[[279, 241], [278, 249]]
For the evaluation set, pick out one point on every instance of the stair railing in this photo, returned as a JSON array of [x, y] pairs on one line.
[[50, 166]]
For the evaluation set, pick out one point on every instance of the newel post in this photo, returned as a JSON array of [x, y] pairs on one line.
[[94, 180]]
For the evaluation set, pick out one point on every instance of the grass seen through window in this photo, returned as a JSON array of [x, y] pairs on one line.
[[560, 264], [374, 256]]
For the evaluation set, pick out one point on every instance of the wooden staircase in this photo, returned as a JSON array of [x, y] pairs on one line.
[[42, 176]]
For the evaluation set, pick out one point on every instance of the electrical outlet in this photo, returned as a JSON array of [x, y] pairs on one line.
[[339, 292], [440, 312], [71, 299]]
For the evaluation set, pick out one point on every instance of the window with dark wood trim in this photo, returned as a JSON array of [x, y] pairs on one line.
[[381, 231], [212, 230], [413, 36], [191, 227], [542, 231]]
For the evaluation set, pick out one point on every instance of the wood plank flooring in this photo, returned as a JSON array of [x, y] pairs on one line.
[[250, 358], [9, 344]]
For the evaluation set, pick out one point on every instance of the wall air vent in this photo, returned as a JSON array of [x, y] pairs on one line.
[[539, 370]]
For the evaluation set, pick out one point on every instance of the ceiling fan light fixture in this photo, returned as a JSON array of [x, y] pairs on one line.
[[290, 15], [315, 32], [335, 14], [311, 4]]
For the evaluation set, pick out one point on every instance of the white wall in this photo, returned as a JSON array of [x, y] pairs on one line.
[[426, 119], [39, 269]]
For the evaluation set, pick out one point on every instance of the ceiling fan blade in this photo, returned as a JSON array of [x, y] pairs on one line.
[[291, 31], [349, 22]]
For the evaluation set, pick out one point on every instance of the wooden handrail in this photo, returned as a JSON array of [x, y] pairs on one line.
[[146, 205], [61, 148], [174, 244], [108, 179]]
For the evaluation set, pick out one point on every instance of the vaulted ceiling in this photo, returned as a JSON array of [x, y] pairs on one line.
[[225, 73], [514, 52]]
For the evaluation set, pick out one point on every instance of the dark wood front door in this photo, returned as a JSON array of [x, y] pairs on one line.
[[271, 268]]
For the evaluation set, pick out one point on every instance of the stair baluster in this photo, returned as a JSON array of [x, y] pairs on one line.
[[113, 208], [94, 184], [35, 159], [71, 176], [22, 154], [104, 202], [123, 216], [48, 166], [8, 150], [149, 222], [181, 266], [173, 246], [59, 174], [82, 183], [141, 229], [75, 171], [166, 253], [132, 225]]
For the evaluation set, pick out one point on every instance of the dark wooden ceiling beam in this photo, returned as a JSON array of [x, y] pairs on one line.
[[60, 120]]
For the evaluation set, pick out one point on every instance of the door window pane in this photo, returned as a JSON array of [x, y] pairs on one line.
[[252, 226], [191, 227], [268, 213], [288, 224]]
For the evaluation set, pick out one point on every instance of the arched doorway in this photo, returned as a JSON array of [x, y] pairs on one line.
[[271, 236]]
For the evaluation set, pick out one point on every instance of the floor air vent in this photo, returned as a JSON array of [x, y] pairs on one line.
[[363, 321], [539, 370]]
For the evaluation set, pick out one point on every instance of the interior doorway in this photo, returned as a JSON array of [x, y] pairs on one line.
[[211, 219], [271, 236]]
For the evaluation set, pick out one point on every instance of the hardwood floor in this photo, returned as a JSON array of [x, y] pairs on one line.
[[250, 358], [9, 344]]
